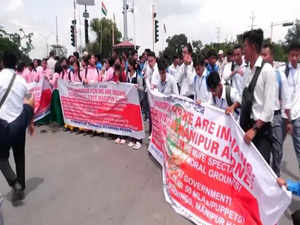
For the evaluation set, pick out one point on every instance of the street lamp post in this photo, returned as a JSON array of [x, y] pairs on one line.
[[284, 24]]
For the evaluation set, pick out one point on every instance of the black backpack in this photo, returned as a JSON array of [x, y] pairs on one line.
[[247, 101], [229, 82], [287, 70]]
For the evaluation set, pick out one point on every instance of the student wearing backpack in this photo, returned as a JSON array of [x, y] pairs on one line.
[[259, 95], [291, 103], [91, 74], [223, 96]]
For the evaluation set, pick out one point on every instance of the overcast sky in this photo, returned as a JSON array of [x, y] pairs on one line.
[[197, 19]]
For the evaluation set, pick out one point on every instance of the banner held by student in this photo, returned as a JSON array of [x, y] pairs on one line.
[[105, 107]]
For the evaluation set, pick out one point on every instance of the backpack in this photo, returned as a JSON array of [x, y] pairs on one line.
[[229, 81], [247, 101], [228, 98], [287, 70]]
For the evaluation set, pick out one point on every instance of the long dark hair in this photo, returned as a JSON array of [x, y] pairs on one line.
[[60, 62], [78, 72]]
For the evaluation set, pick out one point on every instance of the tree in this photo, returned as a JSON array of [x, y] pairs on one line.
[[175, 45], [18, 43], [103, 43], [197, 46], [293, 34]]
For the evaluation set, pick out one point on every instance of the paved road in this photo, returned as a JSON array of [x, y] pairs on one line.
[[79, 180]]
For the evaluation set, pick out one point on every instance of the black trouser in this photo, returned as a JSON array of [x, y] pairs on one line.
[[263, 141], [14, 135]]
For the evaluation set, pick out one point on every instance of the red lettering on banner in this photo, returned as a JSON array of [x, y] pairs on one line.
[[226, 153]]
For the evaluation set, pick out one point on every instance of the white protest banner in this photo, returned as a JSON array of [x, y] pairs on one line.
[[105, 107], [42, 93], [210, 175]]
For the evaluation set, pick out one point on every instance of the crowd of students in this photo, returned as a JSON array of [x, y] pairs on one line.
[[214, 79], [263, 96]]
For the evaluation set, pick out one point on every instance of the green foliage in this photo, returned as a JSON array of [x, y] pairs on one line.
[[293, 34], [175, 45], [20, 44], [103, 29]]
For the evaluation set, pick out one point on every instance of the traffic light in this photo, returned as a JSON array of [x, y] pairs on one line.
[[73, 35], [156, 28], [287, 24], [86, 31]]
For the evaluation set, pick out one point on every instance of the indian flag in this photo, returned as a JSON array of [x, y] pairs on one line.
[[103, 8]]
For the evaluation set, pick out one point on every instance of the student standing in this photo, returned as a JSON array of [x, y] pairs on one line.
[[15, 116], [133, 78], [259, 95], [234, 72], [91, 74], [291, 97], [186, 73], [202, 95]]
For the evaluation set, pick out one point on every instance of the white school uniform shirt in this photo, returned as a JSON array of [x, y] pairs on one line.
[[264, 91], [200, 88], [168, 87], [291, 91], [152, 74], [185, 79], [51, 64], [279, 90], [173, 70], [222, 102], [237, 80], [13, 105]]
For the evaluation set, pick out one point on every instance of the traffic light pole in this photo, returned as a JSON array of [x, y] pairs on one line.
[[75, 27], [153, 32], [86, 25], [284, 24]]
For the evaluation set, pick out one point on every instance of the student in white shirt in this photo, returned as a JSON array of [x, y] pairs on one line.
[[291, 100], [202, 95], [277, 131], [16, 114], [151, 73], [51, 61], [257, 113], [152, 78], [223, 97], [167, 84], [222, 61], [186, 73], [234, 72], [173, 68]]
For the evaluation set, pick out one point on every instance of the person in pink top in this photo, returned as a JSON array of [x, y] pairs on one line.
[[109, 70], [56, 75], [76, 75], [91, 74], [45, 72], [30, 73], [66, 73]]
